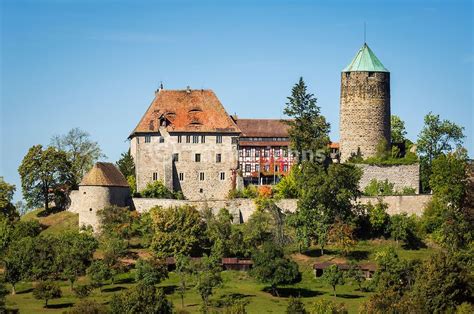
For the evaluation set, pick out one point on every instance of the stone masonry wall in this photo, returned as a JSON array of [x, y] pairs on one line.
[[241, 209], [89, 199], [364, 112], [156, 157], [401, 175]]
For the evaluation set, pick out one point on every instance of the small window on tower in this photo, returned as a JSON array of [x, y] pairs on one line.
[[371, 74], [348, 74], [147, 138], [155, 176]]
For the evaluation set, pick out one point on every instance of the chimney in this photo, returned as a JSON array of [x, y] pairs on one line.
[[159, 89]]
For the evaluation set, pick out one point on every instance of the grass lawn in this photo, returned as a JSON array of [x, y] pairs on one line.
[[239, 284]]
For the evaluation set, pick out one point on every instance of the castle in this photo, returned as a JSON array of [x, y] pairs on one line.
[[187, 140]]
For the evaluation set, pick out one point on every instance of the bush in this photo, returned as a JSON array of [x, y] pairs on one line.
[[295, 306], [82, 291], [379, 188], [141, 299], [249, 191], [288, 186], [157, 189], [324, 306], [88, 307], [151, 271]]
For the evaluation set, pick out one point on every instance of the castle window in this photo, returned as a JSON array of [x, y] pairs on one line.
[[248, 168], [195, 138], [285, 168], [138, 140], [277, 152], [90, 209], [201, 190], [371, 74], [84, 193], [155, 176], [147, 138], [247, 152], [241, 152], [235, 140], [285, 153], [181, 176], [162, 139], [201, 176], [188, 138], [277, 168], [348, 74], [219, 139], [222, 176], [203, 139], [267, 168], [257, 152], [218, 157], [180, 139], [197, 157], [176, 157], [257, 168], [266, 153]]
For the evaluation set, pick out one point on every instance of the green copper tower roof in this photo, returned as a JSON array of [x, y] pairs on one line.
[[365, 61]]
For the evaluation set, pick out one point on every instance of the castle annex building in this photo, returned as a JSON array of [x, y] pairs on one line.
[[187, 140]]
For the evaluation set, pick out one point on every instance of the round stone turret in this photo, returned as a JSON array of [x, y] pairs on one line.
[[365, 105]]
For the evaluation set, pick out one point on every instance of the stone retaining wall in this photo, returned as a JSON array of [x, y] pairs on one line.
[[400, 175], [243, 208]]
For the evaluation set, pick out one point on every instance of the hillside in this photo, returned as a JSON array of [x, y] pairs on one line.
[[55, 222]]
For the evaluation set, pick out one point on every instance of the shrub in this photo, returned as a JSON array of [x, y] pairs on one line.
[[88, 307], [82, 291], [151, 271], [157, 189], [288, 186], [324, 306], [379, 188], [265, 191], [295, 306], [141, 299], [249, 191]]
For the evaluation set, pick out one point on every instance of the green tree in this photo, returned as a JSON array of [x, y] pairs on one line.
[[342, 235], [151, 271], [157, 189], [184, 270], [334, 277], [219, 232], [7, 209], [74, 254], [43, 172], [98, 273], [141, 299], [47, 290], [437, 137], [356, 274], [18, 261], [177, 230], [443, 282], [3, 294], [448, 180], [398, 129], [116, 221], [82, 291], [402, 227], [81, 152], [295, 306], [288, 185], [113, 249], [378, 217], [308, 128], [271, 267], [126, 164], [208, 278]]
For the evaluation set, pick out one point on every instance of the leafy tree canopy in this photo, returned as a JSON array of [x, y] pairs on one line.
[[398, 129], [43, 173], [81, 152]]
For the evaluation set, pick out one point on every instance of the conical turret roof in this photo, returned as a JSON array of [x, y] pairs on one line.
[[104, 174], [365, 61]]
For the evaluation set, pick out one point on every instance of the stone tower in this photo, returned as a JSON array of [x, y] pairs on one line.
[[103, 186], [365, 105]]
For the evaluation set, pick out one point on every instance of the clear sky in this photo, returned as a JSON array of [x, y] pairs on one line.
[[96, 64]]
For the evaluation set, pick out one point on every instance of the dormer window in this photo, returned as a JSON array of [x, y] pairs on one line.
[[195, 110], [371, 74]]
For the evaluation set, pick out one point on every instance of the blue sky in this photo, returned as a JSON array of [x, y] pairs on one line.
[[96, 64]]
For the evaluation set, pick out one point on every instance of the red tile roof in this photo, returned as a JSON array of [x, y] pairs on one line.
[[186, 111], [262, 127]]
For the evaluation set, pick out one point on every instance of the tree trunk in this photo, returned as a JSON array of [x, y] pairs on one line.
[[322, 250], [46, 199], [334, 288], [275, 291], [13, 289], [46, 303]]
